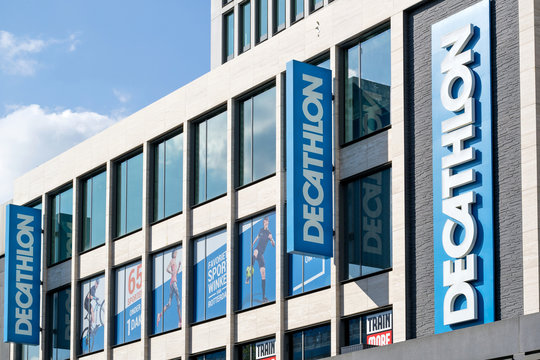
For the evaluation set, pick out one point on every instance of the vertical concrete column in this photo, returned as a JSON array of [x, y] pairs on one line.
[[396, 152], [335, 271], [281, 276], [109, 235], [231, 229], [146, 317], [186, 242], [529, 48], [75, 270]]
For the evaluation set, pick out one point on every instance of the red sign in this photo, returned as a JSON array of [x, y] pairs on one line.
[[380, 339]]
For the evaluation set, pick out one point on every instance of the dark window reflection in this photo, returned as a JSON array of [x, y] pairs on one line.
[[367, 86], [129, 176], [60, 320], [168, 177], [310, 344], [261, 25], [61, 226], [93, 211]]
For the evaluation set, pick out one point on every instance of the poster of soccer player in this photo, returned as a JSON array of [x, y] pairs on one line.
[[128, 303], [167, 290], [92, 314], [257, 274]]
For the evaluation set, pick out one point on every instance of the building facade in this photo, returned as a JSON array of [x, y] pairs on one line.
[[165, 235]]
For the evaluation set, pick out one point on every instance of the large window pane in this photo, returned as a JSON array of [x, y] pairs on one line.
[[310, 344], [210, 276], [297, 7], [167, 290], [129, 176], [59, 317], [315, 4], [215, 355], [257, 273], [258, 137], [307, 273], [128, 303], [168, 177], [228, 37], [262, 20], [245, 23], [368, 241], [93, 211], [61, 226], [367, 86], [92, 310], [211, 158], [279, 15]]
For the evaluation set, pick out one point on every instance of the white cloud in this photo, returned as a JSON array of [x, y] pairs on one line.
[[17, 55], [122, 96], [31, 135]]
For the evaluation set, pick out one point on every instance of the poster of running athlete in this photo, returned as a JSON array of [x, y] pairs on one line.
[[128, 302], [257, 274], [167, 290], [210, 276], [307, 273], [92, 314]]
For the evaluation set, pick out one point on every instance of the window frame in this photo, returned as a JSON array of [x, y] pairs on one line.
[[152, 179], [361, 315], [81, 205], [50, 197], [294, 18], [342, 191], [276, 28], [341, 72], [289, 334], [49, 340], [314, 5], [115, 192], [248, 96], [238, 346], [225, 36], [192, 192], [241, 26], [207, 352], [258, 16]]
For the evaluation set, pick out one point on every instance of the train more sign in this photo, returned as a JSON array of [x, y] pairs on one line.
[[462, 169], [309, 160], [22, 275]]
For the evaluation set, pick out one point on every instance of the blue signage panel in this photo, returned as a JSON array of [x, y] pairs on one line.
[[22, 275], [309, 160], [462, 170]]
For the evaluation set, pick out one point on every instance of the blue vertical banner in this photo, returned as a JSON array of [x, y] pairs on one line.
[[22, 275], [462, 170], [309, 160]]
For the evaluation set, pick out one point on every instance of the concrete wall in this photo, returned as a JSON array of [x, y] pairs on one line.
[[506, 160]]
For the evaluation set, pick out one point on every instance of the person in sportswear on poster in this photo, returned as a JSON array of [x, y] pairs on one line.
[[172, 269], [91, 295], [263, 237]]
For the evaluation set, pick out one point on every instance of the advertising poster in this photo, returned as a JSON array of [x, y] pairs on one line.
[[167, 290], [307, 273], [210, 275], [92, 314], [128, 303], [379, 328], [257, 261], [265, 350]]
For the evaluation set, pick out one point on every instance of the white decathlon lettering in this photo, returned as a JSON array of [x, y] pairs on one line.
[[462, 269], [24, 276], [312, 133]]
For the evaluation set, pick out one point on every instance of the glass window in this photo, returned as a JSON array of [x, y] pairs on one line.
[[127, 316], [245, 23], [263, 349], [215, 355], [93, 211], [228, 36], [129, 189], [258, 137], [168, 177], [211, 158], [59, 317], [261, 25], [30, 352], [61, 226], [367, 86], [309, 344], [307, 273], [210, 276], [297, 10], [279, 15], [368, 243], [257, 247], [92, 314], [371, 330], [167, 290], [315, 4]]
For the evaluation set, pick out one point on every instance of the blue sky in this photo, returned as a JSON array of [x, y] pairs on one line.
[[69, 69]]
